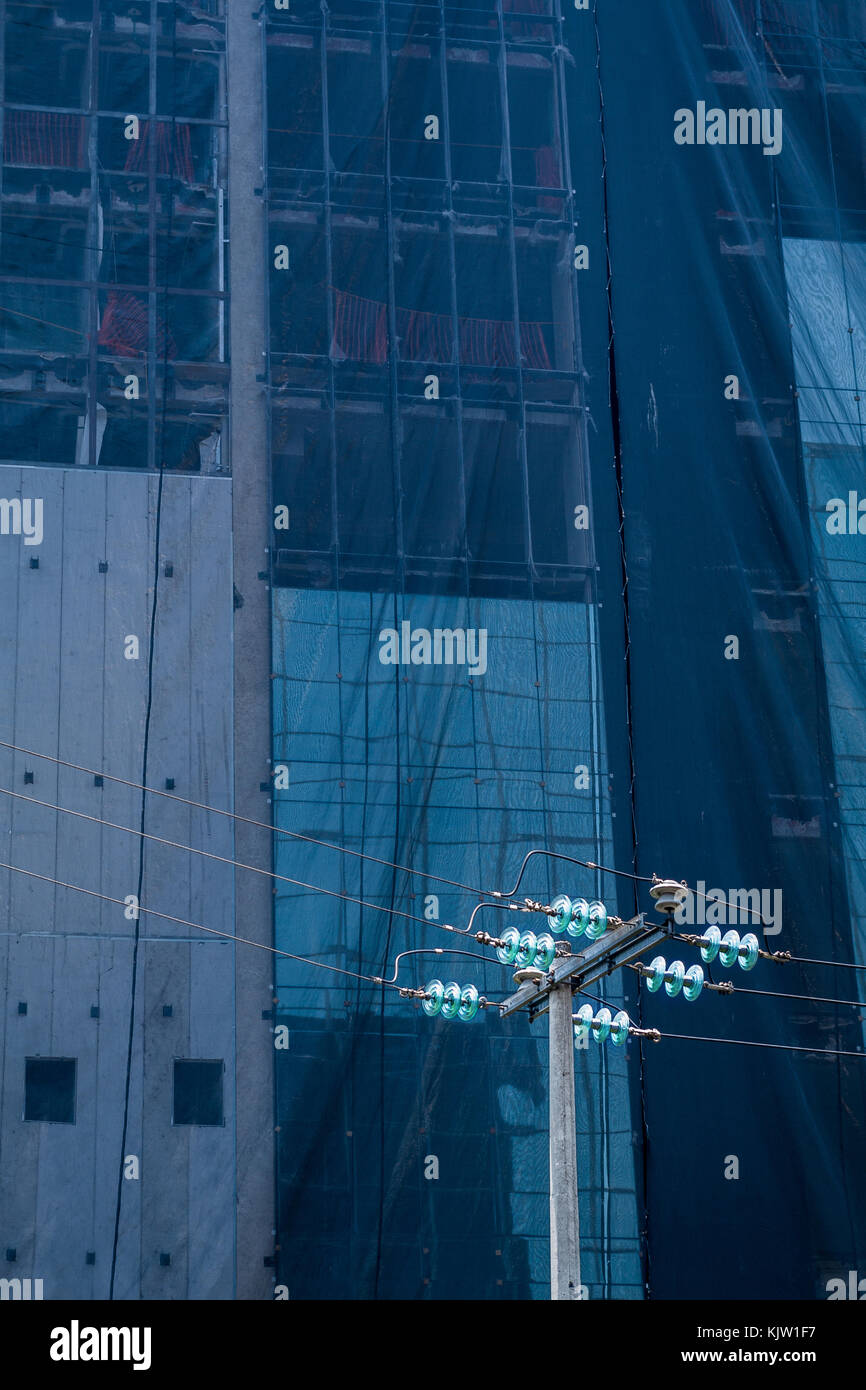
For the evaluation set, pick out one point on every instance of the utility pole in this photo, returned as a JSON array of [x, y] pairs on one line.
[[564, 1219], [550, 992]]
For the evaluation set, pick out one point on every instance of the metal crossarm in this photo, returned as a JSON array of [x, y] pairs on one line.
[[598, 958]]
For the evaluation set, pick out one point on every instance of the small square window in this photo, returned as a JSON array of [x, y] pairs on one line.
[[198, 1093], [49, 1089]]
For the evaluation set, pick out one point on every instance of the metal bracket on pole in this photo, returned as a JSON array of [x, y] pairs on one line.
[[597, 959]]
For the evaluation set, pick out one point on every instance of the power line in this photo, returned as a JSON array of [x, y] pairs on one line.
[[223, 859], [729, 988], [812, 998], [841, 964], [359, 854], [310, 839], [780, 958], [584, 864], [740, 1042], [784, 1047], [245, 941]]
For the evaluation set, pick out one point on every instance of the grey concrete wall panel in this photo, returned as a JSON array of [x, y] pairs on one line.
[[66, 690]]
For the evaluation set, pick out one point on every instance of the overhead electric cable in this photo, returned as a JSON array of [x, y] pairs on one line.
[[311, 839], [246, 941], [784, 1047]]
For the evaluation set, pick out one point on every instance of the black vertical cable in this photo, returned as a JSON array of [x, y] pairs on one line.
[[152, 154], [618, 476]]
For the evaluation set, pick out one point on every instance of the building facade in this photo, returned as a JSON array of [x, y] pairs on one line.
[[444, 421]]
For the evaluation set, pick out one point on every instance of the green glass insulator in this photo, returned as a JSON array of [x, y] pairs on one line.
[[710, 943], [468, 1003], [545, 951], [451, 1000], [579, 917], [729, 951], [508, 952], [748, 954], [582, 1022], [436, 990], [526, 950], [597, 921], [658, 968], [563, 907], [601, 1025], [619, 1029], [674, 976], [693, 983]]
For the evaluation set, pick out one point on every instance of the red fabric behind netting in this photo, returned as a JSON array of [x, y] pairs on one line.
[[361, 333], [525, 27], [173, 151], [46, 138], [124, 327]]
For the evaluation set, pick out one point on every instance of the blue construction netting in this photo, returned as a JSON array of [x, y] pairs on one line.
[[534, 274]]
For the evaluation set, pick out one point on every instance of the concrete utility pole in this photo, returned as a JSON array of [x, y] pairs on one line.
[[564, 1220], [550, 992]]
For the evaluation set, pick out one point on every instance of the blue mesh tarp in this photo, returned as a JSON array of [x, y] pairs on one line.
[[577, 365]]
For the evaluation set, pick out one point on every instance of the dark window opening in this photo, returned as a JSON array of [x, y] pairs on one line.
[[494, 486], [298, 294], [365, 482], [301, 459], [295, 129], [355, 110], [124, 80], [188, 86], [49, 1089], [475, 112], [415, 96], [198, 1092], [535, 157]]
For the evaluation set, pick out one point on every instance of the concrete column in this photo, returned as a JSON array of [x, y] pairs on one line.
[[252, 655]]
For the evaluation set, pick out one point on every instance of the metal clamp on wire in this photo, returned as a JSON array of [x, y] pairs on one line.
[[485, 939], [532, 906], [651, 1034]]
